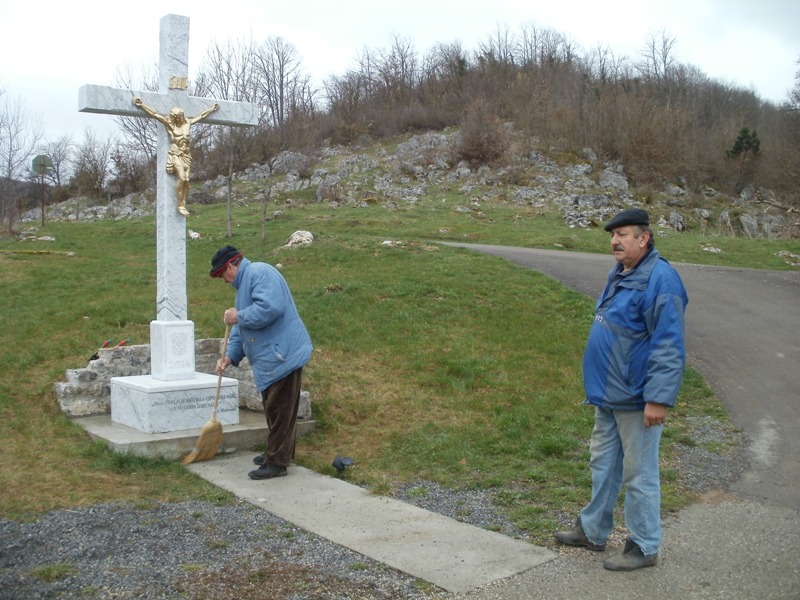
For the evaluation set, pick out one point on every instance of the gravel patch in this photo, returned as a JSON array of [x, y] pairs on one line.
[[475, 507], [186, 550], [197, 550], [715, 460]]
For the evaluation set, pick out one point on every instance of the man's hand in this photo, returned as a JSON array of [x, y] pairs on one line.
[[231, 317], [222, 364], [654, 414]]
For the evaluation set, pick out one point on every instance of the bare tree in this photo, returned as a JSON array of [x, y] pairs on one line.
[[445, 61], [269, 75], [542, 47], [398, 72], [20, 135], [786, 156], [444, 76], [140, 134], [61, 152], [286, 88], [93, 164], [132, 170], [658, 55], [604, 66], [794, 93], [227, 72], [368, 72], [347, 97], [499, 48]]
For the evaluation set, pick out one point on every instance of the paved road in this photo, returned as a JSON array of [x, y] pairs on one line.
[[743, 335]]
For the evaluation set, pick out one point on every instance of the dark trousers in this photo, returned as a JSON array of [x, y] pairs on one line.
[[281, 401]]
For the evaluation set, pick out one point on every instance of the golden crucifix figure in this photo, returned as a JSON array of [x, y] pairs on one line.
[[179, 159]]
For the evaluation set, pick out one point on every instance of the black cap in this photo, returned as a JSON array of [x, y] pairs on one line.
[[632, 216], [222, 259]]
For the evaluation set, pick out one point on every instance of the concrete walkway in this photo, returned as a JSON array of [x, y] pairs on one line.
[[452, 555]]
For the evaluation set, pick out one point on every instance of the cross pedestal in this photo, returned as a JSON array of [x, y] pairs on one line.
[[173, 396], [154, 406]]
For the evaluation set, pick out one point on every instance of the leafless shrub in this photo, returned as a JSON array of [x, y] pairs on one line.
[[484, 140]]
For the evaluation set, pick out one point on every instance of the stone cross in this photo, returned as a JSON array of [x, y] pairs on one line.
[[171, 335]]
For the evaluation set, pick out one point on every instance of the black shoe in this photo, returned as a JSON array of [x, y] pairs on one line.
[[577, 537], [259, 460], [632, 558], [267, 472]]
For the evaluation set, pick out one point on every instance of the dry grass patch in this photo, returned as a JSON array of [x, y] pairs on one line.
[[362, 408]]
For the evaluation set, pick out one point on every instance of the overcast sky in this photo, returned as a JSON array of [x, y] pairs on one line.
[[49, 48]]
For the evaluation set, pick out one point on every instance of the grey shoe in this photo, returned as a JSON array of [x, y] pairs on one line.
[[632, 558], [577, 537]]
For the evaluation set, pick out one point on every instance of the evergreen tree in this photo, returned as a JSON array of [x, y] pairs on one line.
[[746, 142]]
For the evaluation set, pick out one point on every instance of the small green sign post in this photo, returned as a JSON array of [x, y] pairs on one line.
[[42, 165]]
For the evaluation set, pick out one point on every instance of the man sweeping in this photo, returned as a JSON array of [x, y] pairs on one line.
[[268, 330]]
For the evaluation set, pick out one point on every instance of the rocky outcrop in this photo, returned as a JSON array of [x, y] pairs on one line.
[[587, 190]]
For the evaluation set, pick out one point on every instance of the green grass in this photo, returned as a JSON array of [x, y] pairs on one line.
[[53, 572], [430, 363]]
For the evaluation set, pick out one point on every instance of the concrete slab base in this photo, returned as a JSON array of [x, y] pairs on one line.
[[450, 554], [248, 434]]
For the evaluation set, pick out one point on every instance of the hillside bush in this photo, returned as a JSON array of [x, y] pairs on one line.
[[484, 140]]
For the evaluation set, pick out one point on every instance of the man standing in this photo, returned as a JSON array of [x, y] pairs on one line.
[[632, 369], [269, 332]]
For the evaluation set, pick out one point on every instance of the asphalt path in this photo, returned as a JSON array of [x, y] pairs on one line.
[[742, 334]]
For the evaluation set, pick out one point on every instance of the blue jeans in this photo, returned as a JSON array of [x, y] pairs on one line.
[[624, 452]]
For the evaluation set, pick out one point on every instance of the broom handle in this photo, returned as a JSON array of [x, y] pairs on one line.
[[219, 379]]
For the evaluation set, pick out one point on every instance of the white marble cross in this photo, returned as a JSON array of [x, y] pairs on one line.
[[169, 341]]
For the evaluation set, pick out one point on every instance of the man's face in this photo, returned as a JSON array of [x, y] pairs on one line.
[[628, 245], [229, 274]]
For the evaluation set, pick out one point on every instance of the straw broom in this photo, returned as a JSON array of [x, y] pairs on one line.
[[211, 435]]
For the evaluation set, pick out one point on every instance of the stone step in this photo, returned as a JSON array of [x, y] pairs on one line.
[[249, 434]]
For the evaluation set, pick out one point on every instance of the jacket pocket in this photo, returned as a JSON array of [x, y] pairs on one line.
[[265, 356]]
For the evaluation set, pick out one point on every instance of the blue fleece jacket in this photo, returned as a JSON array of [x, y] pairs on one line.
[[270, 332], [635, 352]]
